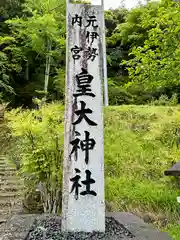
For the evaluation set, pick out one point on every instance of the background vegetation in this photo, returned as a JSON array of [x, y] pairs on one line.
[[140, 143], [143, 55], [142, 51]]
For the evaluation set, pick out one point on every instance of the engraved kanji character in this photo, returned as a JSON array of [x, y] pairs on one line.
[[83, 83], [92, 36], [91, 21], [91, 53], [88, 183], [82, 115], [77, 20], [76, 185], [85, 145], [76, 50]]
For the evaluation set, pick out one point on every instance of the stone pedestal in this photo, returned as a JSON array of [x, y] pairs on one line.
[[18, 227]]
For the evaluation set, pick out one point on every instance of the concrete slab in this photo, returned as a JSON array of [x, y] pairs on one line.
[[138, 227]]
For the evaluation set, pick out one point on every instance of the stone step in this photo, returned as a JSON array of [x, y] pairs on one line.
[[3, 219], [2, 173], [7, 173], [10, 185], [10, 188], [5, 163], [9, 194], [12, 182], [10, 202], [2, 164], [9, 210], [7, 168], [6, 210], [14, 178]]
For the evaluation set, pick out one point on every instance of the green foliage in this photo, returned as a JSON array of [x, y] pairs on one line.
[[37, 30], [156, 63], [33, 49], [140, 143], [8, 62], [38, 146], [7, 67], [9, 9], [173, 230], [116, 52], [132, 31], [1, 97], [165, 101], [118, 95], [142, 51], [43, 32], [137, 152], [59, 84], [113, 18]]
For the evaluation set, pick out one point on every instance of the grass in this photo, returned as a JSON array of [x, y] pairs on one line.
[[173, 230], [140, 143]]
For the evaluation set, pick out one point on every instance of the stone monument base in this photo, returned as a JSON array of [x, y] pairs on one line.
[[119, 226]]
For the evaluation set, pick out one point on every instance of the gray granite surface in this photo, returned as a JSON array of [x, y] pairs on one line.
[[138, 227], [19, 226]]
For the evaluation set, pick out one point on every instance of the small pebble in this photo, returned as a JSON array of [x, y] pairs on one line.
[[49, 228]]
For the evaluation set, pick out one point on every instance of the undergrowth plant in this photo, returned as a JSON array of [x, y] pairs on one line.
[[38, 150], [165, 101]]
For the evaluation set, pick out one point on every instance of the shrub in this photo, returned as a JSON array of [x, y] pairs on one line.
[[140, 95], [165, 101], [38, 146], [174, 99], [119, 96], [173, 230], [138, 149]]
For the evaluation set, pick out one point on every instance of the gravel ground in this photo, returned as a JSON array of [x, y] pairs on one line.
[[49, 229]]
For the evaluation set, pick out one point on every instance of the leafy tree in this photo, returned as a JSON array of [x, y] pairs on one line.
[[129, 32], [156, 63], [115, 50], [8, 9], [7, 66], [132, 41], [142, 50], [37, 150], [43, 32]]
